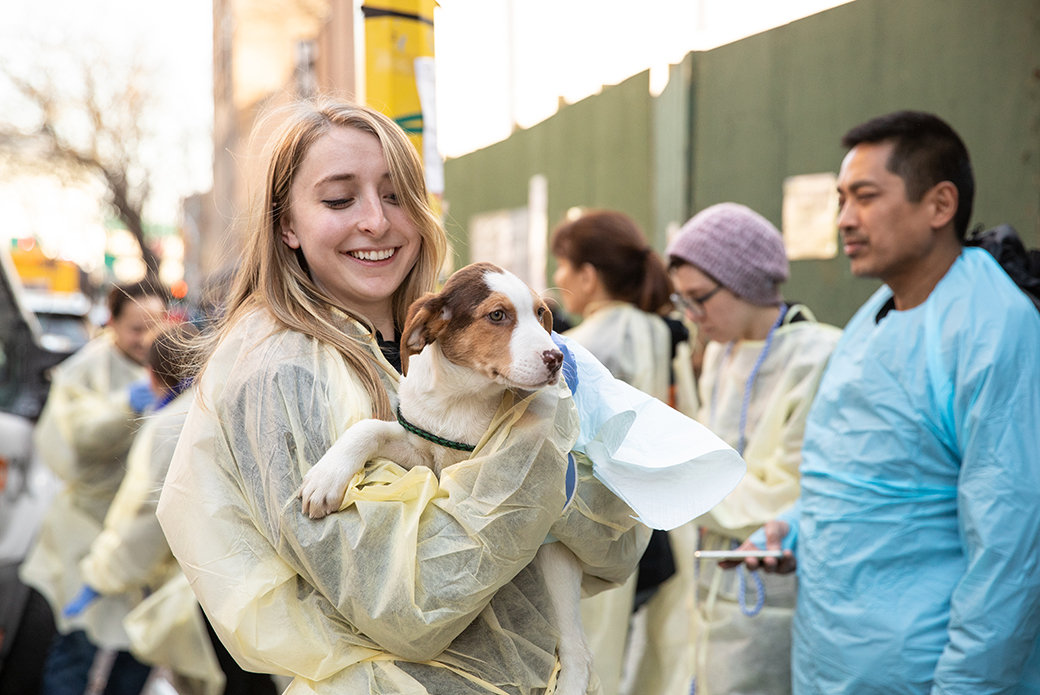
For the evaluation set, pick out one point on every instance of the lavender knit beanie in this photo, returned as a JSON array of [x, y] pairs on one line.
[[736, 246]]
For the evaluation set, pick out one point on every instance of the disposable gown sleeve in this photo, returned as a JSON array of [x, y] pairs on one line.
[[995, 607], [602, 531], [774, 452], [410, 571], [96, 425], [791, 516], [131, 552]]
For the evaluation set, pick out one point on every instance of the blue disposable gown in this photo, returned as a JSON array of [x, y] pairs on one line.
[[919, 542]]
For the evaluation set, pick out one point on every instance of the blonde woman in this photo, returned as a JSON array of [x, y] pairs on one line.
[[416, 585]]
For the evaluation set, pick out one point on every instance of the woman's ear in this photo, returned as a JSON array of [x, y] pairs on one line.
[[588, 279], [288, 234], [427, 317]]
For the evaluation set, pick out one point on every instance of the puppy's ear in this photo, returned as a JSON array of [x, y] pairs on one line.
[[427, 317], [547, 318]]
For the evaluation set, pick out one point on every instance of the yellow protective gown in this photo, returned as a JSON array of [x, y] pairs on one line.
[[416, 585], [131, 557], [735, 653], [636, 347], [84, 435]]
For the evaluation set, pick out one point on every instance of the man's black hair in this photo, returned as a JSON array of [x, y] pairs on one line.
[[120, 295], [926, 151]]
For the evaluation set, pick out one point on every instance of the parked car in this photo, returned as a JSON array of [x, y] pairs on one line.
[[64, 320], [26, 485]]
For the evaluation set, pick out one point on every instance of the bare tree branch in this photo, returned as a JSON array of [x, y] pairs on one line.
[[91, 129]]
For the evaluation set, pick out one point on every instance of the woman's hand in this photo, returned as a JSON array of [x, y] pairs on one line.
[[775, 531]]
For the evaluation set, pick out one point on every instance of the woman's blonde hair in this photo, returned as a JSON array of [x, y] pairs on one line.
[[274, 276]]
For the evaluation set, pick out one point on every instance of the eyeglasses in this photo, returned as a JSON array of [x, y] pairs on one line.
[[694, 305]]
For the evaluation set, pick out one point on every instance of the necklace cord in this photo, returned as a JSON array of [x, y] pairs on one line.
[[760, 594]]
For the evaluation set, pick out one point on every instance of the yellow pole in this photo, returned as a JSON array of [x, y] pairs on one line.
[[399, 81], [397, 32]]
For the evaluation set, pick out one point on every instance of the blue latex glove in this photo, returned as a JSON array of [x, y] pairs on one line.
[[571, 481], [570, 374], [570, 367], [84, 598], [141, 395]]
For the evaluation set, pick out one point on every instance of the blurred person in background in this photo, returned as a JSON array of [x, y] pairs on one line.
[[131, 555], [761, 368], [917, 534], [608, 274], [213, 298], [84, 435]]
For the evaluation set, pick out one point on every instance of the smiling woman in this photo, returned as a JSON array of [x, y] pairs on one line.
[[417, 584], [345, 217]]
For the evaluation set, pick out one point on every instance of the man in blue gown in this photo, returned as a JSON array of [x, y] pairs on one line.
[[917, 535]]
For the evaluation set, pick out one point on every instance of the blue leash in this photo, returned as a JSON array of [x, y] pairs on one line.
[[750, 383], [760, 590], [742, 574]]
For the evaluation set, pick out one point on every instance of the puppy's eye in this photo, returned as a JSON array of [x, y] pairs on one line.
[[541, 311], [497, 315]]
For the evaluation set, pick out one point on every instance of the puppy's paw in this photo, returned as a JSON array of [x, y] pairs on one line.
[[323, 489], [575, 668], [573, 682]]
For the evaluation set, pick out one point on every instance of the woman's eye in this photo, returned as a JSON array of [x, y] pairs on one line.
[[338, 202], [392, 198], [497, 315]]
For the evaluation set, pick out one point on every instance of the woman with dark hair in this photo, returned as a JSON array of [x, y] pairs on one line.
[[609, 275]]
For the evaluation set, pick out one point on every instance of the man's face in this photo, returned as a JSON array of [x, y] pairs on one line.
[[884, 235]]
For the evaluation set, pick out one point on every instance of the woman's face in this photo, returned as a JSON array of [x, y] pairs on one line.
[[576, 283], [721, 316], [136, 325], [344, 214]]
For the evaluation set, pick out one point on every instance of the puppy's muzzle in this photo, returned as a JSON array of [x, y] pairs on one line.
[[553, 360]]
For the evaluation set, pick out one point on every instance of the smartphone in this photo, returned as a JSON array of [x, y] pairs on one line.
[[735, 554]]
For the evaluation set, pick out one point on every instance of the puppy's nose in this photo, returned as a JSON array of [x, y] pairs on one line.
[[553, 360]]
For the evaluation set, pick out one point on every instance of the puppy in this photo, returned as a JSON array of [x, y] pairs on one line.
[[484, 333]]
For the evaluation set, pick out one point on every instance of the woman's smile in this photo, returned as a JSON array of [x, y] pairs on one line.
[[374, 256]]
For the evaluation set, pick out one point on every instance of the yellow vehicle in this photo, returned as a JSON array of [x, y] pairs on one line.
[[40, 272], [53, 291]]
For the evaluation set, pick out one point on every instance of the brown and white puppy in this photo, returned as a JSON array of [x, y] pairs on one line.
[[484, 333]]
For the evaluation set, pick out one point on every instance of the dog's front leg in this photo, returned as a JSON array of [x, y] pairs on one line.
[[563, 579], [326, 482]]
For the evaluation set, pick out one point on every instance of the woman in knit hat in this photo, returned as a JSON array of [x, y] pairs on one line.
[[761, 368]]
